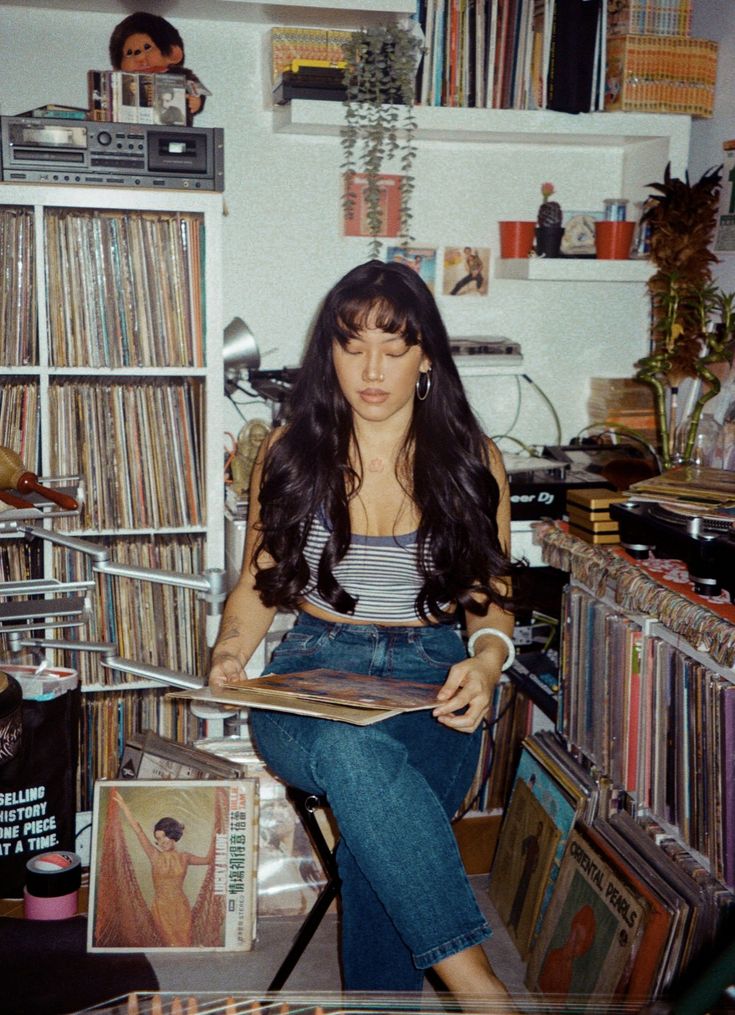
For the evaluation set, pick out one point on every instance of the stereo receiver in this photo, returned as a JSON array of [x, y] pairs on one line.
[[111, 154]]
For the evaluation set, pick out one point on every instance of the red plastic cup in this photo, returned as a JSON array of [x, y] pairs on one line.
[[516, 238], [613, 240]]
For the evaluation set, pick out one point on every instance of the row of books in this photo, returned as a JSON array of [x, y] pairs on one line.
[[147, 622], [604, 908], [513, 54], [109, 720], [658, 721], [127, 97], [19, 420], [20, 559], [309, 46], [18, 322], [125, 288], [649, 17], [154, 476]]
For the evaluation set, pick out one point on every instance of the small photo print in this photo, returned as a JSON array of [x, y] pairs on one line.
[[173, 865], [170, 99], [357, 222], [466, 271], [725, 236], [421, 259]]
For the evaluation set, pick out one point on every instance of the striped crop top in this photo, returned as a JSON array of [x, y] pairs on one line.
[[379, 571]]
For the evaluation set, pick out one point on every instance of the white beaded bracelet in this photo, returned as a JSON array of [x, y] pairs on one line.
[[510, 658]]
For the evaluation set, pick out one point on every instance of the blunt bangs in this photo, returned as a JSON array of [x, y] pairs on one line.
[[358, 311]]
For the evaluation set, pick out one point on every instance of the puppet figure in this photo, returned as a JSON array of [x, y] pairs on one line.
[[148, 43]]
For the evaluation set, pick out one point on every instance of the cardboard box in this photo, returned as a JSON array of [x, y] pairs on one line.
[[477, 836]]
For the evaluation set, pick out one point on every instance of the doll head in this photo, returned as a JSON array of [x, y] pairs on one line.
[[146, 42]]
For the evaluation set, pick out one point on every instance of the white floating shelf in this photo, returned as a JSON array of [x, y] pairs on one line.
[[501, 126], [339, 12], [571, 269]]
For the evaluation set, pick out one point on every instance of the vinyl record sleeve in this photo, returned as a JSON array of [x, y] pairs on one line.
[[173, 865], [325, 694], [590, 931]]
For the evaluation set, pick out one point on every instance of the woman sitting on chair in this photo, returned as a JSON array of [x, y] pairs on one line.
[[381, 514]]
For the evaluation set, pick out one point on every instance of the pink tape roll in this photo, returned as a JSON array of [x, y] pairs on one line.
[[59, 907]]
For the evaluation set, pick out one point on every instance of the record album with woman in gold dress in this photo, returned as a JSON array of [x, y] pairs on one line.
[[173, 865]]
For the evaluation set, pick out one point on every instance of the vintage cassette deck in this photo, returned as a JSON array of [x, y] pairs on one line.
[[44, 150]]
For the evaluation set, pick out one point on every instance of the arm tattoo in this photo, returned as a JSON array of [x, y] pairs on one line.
[[229, 632]]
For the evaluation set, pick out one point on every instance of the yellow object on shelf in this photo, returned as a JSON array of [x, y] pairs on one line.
[[649, 17], [289, 43], [296, 65], [660, 74]]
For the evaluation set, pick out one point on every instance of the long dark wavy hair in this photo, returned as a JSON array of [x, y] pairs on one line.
[[443, 464]]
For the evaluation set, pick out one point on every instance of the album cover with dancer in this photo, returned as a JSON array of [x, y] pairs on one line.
[[173, 865], [466, 271]]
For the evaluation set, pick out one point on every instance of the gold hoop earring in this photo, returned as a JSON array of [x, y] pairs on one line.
[[423, 385]]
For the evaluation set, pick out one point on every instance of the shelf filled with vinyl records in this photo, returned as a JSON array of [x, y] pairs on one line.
[[110, 344], [658, 717], [620, 825]]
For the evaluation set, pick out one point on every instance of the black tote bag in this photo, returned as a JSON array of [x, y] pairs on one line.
[[38, 788]]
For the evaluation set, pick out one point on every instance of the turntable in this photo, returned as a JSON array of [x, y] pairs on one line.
[[703, 540]]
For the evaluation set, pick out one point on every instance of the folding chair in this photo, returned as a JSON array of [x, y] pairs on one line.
[[306, 806]]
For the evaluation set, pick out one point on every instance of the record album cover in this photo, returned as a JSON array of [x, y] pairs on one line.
[[590, 930], [173, 865]]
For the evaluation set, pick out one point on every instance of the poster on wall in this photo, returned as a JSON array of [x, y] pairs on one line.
[[725, 235], [357, 222]]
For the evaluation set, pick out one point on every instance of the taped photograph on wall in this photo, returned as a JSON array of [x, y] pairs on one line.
[[725, 235], [356, 221], [466, 271], [421, 259], [173, 865]]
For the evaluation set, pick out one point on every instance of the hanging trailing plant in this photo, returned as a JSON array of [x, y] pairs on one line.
[[380, 124], [693, 320]]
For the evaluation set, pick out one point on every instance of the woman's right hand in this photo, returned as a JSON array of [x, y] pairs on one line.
[[225, 669]]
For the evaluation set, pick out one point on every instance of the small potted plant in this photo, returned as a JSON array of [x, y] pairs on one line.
[[549, 230], [380, 76]]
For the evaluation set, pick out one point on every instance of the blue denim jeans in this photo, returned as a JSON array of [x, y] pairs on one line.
[[406, 902]]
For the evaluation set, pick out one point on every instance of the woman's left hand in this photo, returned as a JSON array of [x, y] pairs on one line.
[[469, 687]]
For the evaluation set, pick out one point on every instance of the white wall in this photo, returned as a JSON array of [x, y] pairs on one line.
[[715, 19], [283, 242]]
